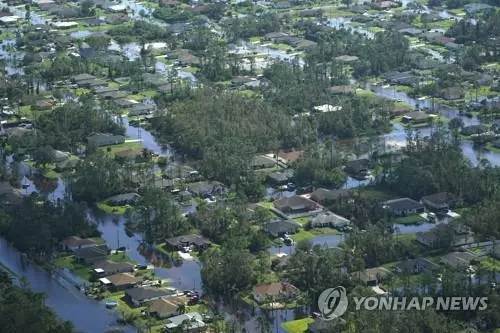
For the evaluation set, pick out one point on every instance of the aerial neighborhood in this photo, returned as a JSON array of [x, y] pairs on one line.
[[214, 166]]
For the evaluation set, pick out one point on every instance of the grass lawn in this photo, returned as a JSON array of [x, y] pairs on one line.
[[75, 267], [256, 39], [191, 69], [412, 219], [407, 238], [297, 326], [405, 89], [492, 148], [120, 257], [143, 95], [265, 204], [375, 29], [365, 92], [282, 47], [303, 235], [490, 264], [201, 308], [47, 171], [111, 209], [113, 149], [303, 220]]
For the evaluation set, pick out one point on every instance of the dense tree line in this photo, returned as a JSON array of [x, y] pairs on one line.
[[36, 226], [224, 130], [251, 25]]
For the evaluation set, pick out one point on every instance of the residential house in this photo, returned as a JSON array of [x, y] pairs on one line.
[[91, 83], [108, 267], [105, 139], [371, 276], [439, 202], [125, 103], [88, 52], [9, 194], [459, 259], [263, 162], [195, 242], [91, 255], [474, 8], [190, 322], [123, 199], [140, 109], [445, 236], [416, 266], [73, 243], [276, 291], [329, 219], [474, 130], [139, 296], [325, 326], [295, 205], [82, 77], [452, 93], [207, 188], [324, 196], [280, 177], [416, 117], [120, 281], [290, 156], [128, 154], [358, 169], [280, 227], [342, 90], [346, 58], [404, 207], [45, 104], [165, 307], [401, 78]]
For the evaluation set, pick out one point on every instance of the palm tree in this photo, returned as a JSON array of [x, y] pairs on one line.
[[181, 309]]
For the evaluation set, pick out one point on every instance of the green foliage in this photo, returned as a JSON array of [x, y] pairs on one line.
[[157, 217], [37, 226], [22, 310], [251, 25]]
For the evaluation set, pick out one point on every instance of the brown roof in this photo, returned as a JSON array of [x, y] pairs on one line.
[[166, 305], [291, 156], [275, 289], [295, 201], [128, 153], [77, 241], [122, 279]]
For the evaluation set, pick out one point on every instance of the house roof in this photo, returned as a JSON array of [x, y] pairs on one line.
[[345, 89], [455, 259], [439, 199], [82, 77], [410, 264], [416, 115], [122, 279], [363, 163], [294, 202], [280, 227], [322, 194], [92, 252], [103, 136], [166, 305], [145, 293], [193, 319], [123, 197], [346, 58], [263, 160], [290, 156], [403, 204], [371, 274], [330, 218], [110, 266], [275, 289], [77, 241], [191, 239]]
